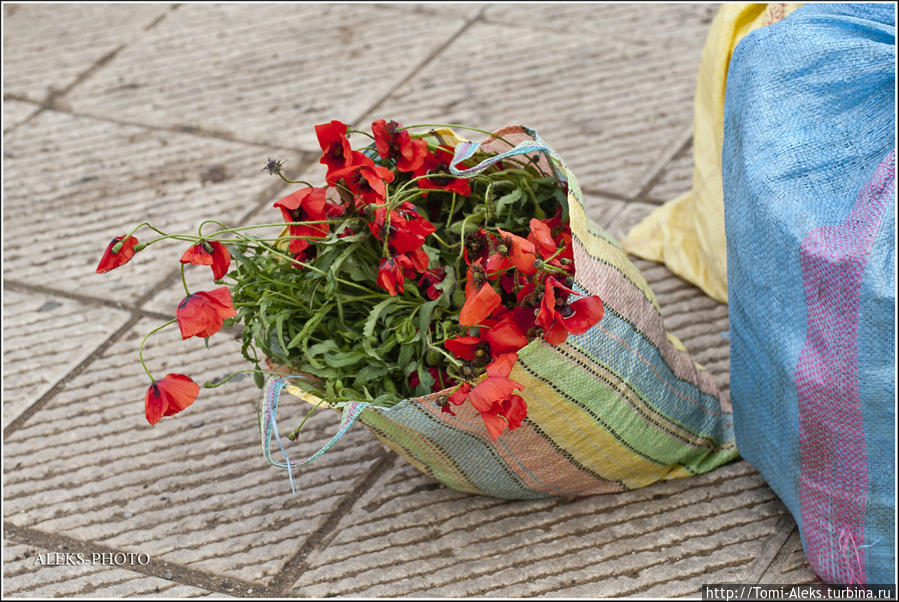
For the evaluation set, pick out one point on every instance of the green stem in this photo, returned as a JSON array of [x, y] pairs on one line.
[[212, 385], [184, 281], [441, 241], [140, 348], [293, 436]]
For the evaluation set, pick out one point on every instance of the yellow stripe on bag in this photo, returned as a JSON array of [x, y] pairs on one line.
[[588, 443]]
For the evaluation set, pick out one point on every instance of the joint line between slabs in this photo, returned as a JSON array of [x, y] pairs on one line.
[[655, 173], [154, 568], [296, 566], [137, 313], [466, 24]]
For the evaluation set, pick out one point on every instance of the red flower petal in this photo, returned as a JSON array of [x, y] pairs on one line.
[[515, 410], [587, 312], [505, 337], [541, 236], [462, 347], [490, 392], [479, 305], [458, 398], [110, 260], [502, 366], [219, 258], [495, 424], [202, 314], [169, 396]]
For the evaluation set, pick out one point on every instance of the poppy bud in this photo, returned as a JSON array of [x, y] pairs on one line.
[[116, 248], [207, 246]]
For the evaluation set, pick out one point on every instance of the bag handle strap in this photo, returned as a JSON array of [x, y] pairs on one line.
[[466, 149], [268, 425]]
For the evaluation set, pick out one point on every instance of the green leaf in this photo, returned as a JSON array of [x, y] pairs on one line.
[[507, 200], [369, 327], [310, 325]]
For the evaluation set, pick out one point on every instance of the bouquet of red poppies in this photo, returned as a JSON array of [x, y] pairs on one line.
[[392, 279]]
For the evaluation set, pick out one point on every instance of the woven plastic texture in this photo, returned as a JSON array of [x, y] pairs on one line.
[[618, 407], [809, 200]]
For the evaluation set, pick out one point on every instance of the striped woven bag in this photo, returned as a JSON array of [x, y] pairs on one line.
[[618, 407]]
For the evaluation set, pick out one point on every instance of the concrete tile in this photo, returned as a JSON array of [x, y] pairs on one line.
[[193, 490], [675, 179], [609, 107], [790, 566], [462, 10], [98, 180], [47, 46], [44, 337], [645, 25], [15, 112], [266, 73], [408, 536], [26, 573]]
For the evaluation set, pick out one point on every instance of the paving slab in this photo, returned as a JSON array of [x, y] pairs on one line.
[[658, 25], [609, 107], [15, 112], [44, 337], [465, 10], [675, 179], [408, 536], [266, 74], [193, 490], [98, 180], [26, 573], [46, 47], [790, 566]]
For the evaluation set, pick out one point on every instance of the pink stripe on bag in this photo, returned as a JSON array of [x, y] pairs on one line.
[[833, 480]]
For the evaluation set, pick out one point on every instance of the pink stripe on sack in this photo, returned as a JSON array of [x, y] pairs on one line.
[[833, 479]]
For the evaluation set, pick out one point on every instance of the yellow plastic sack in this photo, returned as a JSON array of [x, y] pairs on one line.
[[687, 233]]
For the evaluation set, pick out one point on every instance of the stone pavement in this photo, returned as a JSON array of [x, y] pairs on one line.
[[113, 113]]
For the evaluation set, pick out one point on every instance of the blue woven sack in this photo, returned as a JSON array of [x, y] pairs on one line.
[[809, 198]]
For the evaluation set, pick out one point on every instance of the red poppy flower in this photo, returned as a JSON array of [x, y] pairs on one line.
[[336, 150], [397, 145], [367, 181], [169, 396], [505, 336], [542, 239], [460, 395], [111, 260], [480, 297], [429, 281], [304, 205], [477, 246], [436, 167], [466, 348], [202, 314], [211, 253], [406, 231], [493, 397], [512, 251], [558, 317], [390, 273]]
